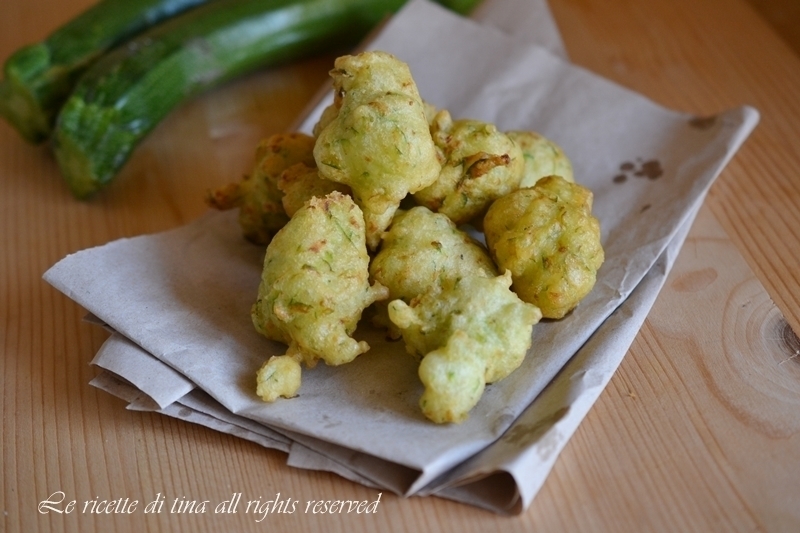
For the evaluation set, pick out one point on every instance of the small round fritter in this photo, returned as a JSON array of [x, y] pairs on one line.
[[257, 196], [549, 240], [542, 157], [379, 142], [472, 333], [423, 251], [299, 183], [327, 116], [479, 165], [282, 150], [279, 377], [315, 285]]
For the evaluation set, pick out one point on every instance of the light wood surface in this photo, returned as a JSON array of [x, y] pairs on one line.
[[699, 430]]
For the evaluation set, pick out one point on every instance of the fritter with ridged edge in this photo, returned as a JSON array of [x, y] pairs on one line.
[[479, 165]]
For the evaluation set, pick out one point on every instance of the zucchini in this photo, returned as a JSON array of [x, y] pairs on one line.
[[39, 77], [123, 96]]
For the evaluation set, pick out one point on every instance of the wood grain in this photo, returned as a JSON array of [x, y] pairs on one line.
[[715, 412], [696, 432], [692, 58]]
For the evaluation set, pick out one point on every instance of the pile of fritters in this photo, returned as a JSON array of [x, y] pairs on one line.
[[369, 212]]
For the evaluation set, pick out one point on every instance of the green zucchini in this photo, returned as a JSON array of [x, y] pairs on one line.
[[39, 77], [123, 96]]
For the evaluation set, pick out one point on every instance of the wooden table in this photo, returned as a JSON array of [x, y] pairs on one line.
[[699, 430]]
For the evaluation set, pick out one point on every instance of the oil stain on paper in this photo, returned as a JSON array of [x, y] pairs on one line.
[[650, 169]]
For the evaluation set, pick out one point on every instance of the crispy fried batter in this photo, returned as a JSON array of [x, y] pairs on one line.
[[542, 157], [324, 202], [280, 376], [421, 252], [314, 287], [299, 183], [257, 196], [549, 240], [378, 142], [479, 165], [475, 332]]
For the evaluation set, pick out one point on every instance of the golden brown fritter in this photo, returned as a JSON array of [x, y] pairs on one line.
[[479, 165], [549, 240], [299, 183], [324, 202], [257, 196], [279, 377]]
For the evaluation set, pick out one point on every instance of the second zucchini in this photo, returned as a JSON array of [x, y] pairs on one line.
[[39, 77], [125, 94]]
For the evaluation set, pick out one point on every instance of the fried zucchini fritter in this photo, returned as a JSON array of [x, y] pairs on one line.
[[299, 183], [479, 165], [423, 251], [257, 196], [549, 240], [279, 377], [378, 143], [314, 287], [542, 157], [324, 202], [474, 332]]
